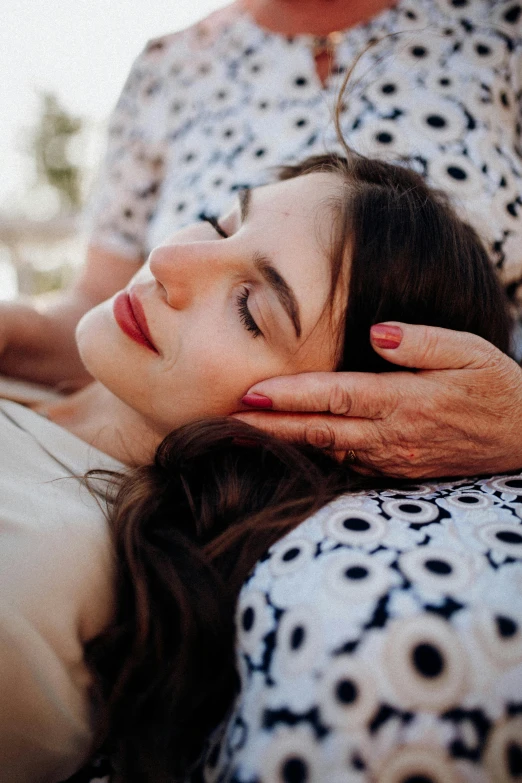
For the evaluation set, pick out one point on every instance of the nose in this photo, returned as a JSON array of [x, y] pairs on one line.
[[187, 270]]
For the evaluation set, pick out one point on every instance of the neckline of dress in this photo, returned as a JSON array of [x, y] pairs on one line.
[[316, 46]]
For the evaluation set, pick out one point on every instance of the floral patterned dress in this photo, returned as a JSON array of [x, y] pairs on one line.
[[382, 641], [212, 108]]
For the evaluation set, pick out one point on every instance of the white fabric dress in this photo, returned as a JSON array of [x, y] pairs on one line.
[[55, 594]]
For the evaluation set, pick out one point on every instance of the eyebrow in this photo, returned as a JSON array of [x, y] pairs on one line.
[[275, 280]]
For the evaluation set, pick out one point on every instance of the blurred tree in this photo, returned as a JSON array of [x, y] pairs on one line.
[[39, 237], [50, 143]]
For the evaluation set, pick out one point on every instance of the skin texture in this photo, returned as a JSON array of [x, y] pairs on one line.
[[460, 414], [206, 350], [318, 17]]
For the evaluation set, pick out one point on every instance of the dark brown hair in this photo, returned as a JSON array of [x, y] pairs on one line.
[[410, 258], [189, 528], [187, 531]]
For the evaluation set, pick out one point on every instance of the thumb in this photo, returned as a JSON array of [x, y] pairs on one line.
[[429, 347]]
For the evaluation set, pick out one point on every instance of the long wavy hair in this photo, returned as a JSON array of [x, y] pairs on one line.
[[190, 527]]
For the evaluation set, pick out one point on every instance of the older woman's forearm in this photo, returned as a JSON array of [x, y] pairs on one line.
[[39, 344]]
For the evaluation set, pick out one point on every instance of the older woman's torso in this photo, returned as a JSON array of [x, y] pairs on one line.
[[212, 108]]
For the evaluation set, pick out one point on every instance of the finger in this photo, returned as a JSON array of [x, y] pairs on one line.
[[430, 347], [361, 395], [325, 432]]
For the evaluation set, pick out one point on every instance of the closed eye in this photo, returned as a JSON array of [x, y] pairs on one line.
[[212, 219], [245, 315]]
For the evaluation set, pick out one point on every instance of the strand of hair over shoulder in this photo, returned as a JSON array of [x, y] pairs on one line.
[[338, 107]]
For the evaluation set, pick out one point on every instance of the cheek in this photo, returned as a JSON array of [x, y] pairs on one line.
[[217, 380], [211, 379], [319, 353]]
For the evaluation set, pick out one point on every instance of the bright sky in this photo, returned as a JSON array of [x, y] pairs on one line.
[[79, 49]]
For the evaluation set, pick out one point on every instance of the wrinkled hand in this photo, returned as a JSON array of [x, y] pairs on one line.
[[459, 414], [41, 347]]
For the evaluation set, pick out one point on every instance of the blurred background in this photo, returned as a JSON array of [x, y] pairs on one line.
[[62, 66]]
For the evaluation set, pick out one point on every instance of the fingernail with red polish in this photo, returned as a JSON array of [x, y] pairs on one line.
[[386, 335], [257, 400]]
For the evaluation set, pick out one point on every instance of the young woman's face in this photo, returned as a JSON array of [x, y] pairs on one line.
[[209, 316]]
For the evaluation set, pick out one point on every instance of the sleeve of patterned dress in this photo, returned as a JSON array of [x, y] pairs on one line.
[[131, 175], [514, 13], [518, 85]]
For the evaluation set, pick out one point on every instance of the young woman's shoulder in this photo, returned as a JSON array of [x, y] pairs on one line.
[[55, 594]]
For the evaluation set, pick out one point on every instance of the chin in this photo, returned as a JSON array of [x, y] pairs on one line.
[[96, 339]]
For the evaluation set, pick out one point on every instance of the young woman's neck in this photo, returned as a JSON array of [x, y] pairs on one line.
[[317, 17], [96, 416]]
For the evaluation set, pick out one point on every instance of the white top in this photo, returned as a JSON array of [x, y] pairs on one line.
[[55, 594], [212, 108]]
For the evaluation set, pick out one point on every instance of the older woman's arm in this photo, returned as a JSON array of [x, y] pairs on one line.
[[459, 414], [40, 346]]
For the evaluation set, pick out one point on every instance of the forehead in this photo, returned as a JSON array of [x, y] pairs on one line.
[[296, 217], [300, 198]]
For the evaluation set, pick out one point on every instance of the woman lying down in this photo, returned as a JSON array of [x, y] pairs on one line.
[[117, 596]]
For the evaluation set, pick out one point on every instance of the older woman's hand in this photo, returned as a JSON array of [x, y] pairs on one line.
[[40, 346], [459, 414]]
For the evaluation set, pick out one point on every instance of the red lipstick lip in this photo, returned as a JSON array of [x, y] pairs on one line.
[[129, 315], [139, 315]]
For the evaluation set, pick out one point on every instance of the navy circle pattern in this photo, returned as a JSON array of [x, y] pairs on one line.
[[412, 665]]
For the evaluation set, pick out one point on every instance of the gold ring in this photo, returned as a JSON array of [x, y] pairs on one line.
[[351, 456]]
